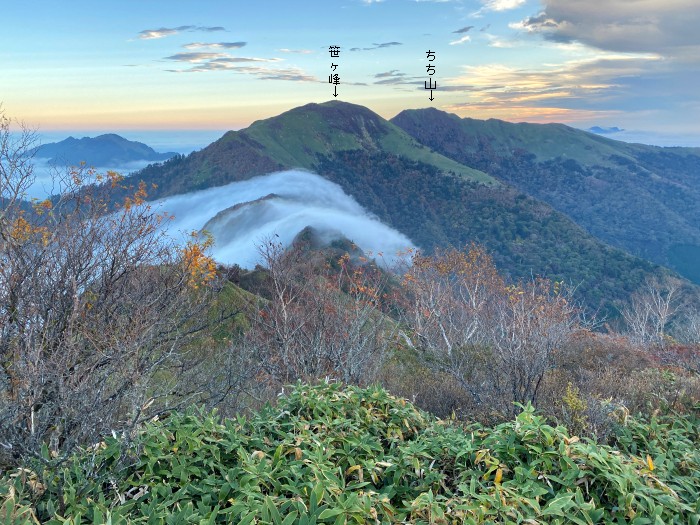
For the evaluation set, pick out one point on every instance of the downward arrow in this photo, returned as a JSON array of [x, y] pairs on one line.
[[335, 91], [431, 95]]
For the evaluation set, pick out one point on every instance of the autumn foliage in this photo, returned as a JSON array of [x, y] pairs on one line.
[[97, 309]]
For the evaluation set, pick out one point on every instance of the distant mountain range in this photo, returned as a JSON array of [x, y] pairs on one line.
[[103, 150], [545, 200]]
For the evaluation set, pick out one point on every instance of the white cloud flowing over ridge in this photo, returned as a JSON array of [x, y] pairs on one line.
[[242, 215]]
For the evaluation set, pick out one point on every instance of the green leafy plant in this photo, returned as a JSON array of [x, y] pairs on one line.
[[343, 455]]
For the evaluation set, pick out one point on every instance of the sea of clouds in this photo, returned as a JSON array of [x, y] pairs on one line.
[[296, 199], [48, 177]]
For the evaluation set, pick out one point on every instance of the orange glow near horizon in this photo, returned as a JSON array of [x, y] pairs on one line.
[[233, 118], [537, 115], [191, 118], [210, 118]]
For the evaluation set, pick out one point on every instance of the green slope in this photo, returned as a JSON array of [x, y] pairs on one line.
[[642, 199], [525, 236], [300, 137], [434, 200]]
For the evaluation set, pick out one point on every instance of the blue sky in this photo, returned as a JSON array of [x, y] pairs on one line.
[[181, 64]]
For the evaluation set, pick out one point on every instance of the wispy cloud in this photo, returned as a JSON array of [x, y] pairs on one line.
[[286, 74], [222, 58], [233, 65], [213, 56], [503, 5], [390, 77], [498, 6], [465, 38], [496, 41], [195, 57], [150, 34], [297, 51], [465, 29], [396, 78], [377, 46], [392, 73], [215, 45]]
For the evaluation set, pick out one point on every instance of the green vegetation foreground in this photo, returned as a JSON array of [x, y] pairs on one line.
[[333, 454]]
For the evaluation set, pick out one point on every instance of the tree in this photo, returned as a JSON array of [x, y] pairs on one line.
[[496, 340], [688, 331], [449, 306], [650, 311], [98, 309], [323, 318], [533, 321]]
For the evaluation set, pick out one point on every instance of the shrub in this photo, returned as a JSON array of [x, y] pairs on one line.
[[328, 454]]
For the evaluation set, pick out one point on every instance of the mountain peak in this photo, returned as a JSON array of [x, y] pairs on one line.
[[105, 150], [303, 136]]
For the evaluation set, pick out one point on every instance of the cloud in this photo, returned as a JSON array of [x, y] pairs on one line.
[[286, 74], [232, 64], [567, 91], [498, 6], [205, 61], [377, 46], [297, 51], [669, 27], [394, 77], [215, 45], [221, 58], [496, 41], [195, 57], [392, 73], [299, 199], [150, 34], [465, 29], [503, 5], [465, 38]]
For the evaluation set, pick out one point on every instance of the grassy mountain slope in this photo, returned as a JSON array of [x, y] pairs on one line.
[[435, 201], [642, 199], [299, 138]]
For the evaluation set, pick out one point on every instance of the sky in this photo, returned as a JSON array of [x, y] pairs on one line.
[[203, 65]]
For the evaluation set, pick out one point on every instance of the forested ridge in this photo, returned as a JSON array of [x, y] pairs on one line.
[[642, 199], [432, 199]]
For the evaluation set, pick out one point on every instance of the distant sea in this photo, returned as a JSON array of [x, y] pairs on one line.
[[651, 138]]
